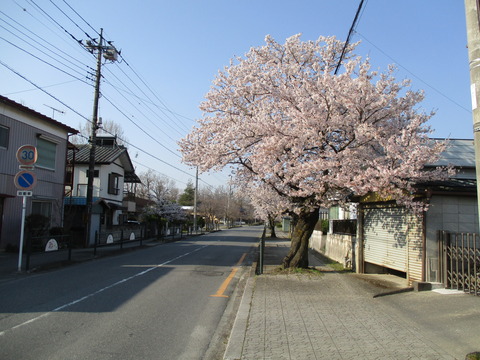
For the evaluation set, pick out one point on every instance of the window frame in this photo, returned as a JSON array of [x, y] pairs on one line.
[[47, 162], [114, 183], [7, 138]]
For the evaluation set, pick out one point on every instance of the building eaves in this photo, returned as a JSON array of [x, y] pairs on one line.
[[15, 105]]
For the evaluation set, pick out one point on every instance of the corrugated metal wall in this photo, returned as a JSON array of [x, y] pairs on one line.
[[50, 184]]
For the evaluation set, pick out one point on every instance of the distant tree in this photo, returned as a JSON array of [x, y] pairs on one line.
[[187, 198], [283, 118], [157, 187], [108, 128]]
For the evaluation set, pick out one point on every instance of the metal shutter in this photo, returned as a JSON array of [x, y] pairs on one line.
[[385, 237], [393, 239]]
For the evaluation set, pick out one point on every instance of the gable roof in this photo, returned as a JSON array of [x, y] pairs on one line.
[[15, 105], [103, 154]]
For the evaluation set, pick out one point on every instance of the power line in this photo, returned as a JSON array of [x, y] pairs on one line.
[[43, 90], [58, 24], [41, 39], [154, 108], [148, 167], [44, 61], [90, 121], [350, 32], [412, 74]]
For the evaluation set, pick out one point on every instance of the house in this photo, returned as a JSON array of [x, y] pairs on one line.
[[391, 239], [113, 171], [20, 125]]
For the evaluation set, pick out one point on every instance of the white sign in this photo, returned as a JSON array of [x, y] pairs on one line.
[[24, 193], [27, 155], [52, 245]]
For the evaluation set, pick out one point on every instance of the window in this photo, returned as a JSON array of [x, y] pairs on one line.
[[113, 183], [4, 132], [42, 208], [46, 153]]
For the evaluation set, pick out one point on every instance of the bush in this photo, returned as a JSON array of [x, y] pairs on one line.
[[58, 230], [11, 248], [37, 225], [325, 226]]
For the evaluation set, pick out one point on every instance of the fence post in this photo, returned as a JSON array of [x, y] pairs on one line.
[[262, 251]]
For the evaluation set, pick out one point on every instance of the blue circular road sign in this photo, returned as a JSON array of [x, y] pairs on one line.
[[25, 180]]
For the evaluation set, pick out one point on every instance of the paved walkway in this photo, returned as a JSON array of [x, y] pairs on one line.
[[341, 316]]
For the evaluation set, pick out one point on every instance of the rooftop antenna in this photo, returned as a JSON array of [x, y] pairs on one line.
[[53, 110]]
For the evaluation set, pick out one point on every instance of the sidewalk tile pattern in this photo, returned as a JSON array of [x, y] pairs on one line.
[[325, 317]]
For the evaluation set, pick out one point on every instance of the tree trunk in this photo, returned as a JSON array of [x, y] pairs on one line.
[[298, 254], [271, 224]]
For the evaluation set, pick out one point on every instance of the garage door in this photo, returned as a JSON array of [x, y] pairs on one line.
[[393, 239], [385, 237]]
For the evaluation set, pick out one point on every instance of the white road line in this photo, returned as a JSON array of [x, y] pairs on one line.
[[100, 291]]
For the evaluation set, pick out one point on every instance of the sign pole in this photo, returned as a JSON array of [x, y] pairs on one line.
[[24, 181], [20, 251]]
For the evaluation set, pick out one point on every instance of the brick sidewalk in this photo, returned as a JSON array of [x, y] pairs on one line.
[[336, 316], [322, 317]]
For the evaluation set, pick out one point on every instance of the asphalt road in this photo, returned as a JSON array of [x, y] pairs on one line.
[[163, 302]]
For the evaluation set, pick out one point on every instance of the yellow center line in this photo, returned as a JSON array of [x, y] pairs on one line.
[[223, 287]]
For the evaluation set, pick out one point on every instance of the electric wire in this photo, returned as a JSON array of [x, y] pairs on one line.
[[38, 10], [35, 89], [350, 32], [45, 62], [147, 86], [152, 169], [42, 60], [40, 39], [85, 21], [412, 74], [139, 127], [58, 24], [135, 106], [90, 121], [150, 101]]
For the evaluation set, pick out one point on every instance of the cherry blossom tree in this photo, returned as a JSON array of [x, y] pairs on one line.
[[268, 204], [282, 118]]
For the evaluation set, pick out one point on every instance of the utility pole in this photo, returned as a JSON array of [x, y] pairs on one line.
[[472, 13], [110, 53]]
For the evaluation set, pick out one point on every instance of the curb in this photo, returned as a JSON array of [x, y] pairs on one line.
[[237, 335]]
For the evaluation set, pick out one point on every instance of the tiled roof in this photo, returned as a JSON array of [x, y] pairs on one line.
[[103, 154]]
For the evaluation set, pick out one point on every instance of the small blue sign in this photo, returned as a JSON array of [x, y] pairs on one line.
[[25, 180]]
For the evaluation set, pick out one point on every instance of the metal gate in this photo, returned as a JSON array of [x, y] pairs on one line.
[[461, 261]]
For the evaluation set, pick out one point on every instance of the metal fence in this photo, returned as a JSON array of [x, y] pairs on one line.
[[47, 250], [461, 261]]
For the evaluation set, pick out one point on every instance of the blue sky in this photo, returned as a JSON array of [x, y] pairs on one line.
[[172, 50]]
